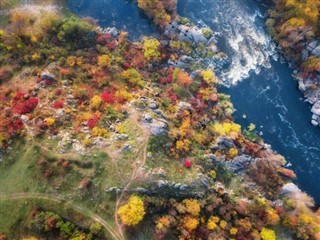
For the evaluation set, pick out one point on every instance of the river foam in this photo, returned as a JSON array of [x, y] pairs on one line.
[[243, 36], [250, 48]]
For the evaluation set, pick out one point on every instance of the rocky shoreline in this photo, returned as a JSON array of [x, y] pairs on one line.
[[295, 27], [307, 85]]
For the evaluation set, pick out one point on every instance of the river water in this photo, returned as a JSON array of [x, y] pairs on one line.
[[260, 82]]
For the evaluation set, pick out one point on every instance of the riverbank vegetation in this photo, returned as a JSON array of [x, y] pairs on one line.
[[143, 148]]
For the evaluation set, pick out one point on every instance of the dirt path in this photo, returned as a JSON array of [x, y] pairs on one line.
[[135, 172], [60, 199]]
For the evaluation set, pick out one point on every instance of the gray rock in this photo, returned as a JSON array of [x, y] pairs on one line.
[[204, 182], [47, 76], [183, 187], [225, 142], [198, 36], [24, 118], [316, 108], [159, 127], [153, 105], [78, 148], [100, 142], [187, 59], [316, 51], [162, 183], [184, 106], [141, 190], [159, 112], [120, 137], [36, 87], [314, 123], [210, 156], [312, 95], [66, 82], [239, 163], [147, 118], [290, 188], [314, 117], [126, 147], [312, 46]]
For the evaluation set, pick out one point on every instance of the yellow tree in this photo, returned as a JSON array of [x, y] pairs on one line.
[[151, 49], [208, 76], [267, 234], [132, 212]]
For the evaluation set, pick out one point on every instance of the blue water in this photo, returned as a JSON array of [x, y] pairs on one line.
[[122, 14], [261, 86]]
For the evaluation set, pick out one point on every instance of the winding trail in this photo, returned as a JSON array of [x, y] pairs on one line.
[[60, 199], [135, 172]]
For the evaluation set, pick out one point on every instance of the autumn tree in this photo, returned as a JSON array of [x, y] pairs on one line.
[[104, 60], [133, 77], [157, 10], [184, 79], [78, 33], [208, 76], [132, 212], [151, 49], [267, 234]]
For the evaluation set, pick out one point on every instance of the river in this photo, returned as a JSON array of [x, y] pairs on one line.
[[259, 80]]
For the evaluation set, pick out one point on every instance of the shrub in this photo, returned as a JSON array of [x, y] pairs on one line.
[[133, 77], [77, 33], [190, 223], [104, 60], [50, 121], [207, 32], [58, 104], [212, 223], [95, 102], [192, 206], [107, 97], [26, 107]]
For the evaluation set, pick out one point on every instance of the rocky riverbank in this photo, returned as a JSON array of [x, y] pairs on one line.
[[295, 27]]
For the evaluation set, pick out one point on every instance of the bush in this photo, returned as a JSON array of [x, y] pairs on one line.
[[76, 32]]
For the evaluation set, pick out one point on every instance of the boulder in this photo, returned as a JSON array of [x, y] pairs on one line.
[[314, 123], [153, 105], [126, 147], [224, 142], [290, 188], [47, 76], [184, 106], [159, 127], [316, 108], [120, 137], [311, 46], [100, 142], [198, 36], [239, 163], [211, 156], [24, 118], [78, 148], [147, 118]]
